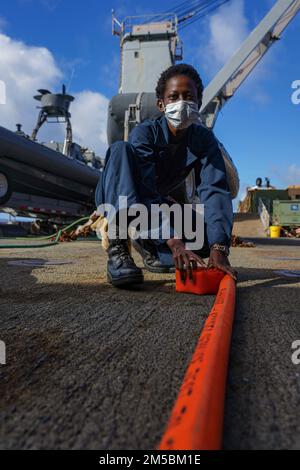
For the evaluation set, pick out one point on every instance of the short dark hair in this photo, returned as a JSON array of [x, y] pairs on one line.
[[179, 69]]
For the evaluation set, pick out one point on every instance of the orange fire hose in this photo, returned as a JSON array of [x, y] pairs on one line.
[[196, 421]]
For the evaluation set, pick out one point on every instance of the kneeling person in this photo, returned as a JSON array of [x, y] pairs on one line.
[[158, 157]]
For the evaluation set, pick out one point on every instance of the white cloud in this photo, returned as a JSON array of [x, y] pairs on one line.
[[89, 116], [288, 176], [24, 69], [224, 33], [227, 29]]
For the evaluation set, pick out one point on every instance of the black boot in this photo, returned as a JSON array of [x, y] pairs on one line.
[[121, 269], [150, 259]]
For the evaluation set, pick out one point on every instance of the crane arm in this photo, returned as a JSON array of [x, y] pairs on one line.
[[231, 76]]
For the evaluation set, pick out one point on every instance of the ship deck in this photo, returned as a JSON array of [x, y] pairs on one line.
[[89, 366]]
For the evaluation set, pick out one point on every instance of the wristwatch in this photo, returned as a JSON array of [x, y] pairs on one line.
[[221, 248]]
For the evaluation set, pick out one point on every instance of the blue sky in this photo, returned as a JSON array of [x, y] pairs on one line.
[[259, 126]]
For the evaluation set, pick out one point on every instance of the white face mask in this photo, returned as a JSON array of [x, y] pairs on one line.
[[182, 114]]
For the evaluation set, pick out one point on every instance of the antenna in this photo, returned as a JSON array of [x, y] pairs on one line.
[[116, 26], [71, 77]]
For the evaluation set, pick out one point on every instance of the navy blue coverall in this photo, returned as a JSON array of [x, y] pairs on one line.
[[146, 168]]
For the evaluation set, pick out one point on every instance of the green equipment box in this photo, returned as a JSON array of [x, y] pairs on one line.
[[286, 213]]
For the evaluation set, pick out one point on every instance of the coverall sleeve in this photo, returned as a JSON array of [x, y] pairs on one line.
[[142, 140], [213, 191]]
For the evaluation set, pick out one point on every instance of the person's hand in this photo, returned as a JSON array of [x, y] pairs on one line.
[[220, 261], [184, 260]]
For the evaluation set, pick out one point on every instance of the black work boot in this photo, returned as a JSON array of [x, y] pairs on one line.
[[121, 269], [150, 260]]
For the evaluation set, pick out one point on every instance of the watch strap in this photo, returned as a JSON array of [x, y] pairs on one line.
[[221, 248]]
